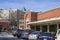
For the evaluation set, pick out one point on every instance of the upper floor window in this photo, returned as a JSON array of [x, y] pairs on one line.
[[27, 20]]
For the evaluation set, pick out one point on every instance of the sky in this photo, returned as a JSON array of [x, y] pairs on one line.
[[33, 5]]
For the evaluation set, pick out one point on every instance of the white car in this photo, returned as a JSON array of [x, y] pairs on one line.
[[58, 35], [34, 35]]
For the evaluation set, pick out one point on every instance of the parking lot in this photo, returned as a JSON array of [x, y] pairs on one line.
[[21, 34], [33, 35]]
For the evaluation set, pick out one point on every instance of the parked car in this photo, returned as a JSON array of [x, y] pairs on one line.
[[46, 36], [14, 30], [34, 35], [58, 34], [5, 35], [26, 33], [9, 38], [19, 33]]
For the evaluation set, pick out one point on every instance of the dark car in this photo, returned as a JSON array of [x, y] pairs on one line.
[[14, 31], [26, 33], [19, 33], [46, 36]]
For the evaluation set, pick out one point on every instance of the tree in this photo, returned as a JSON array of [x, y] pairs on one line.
[[12, 21]]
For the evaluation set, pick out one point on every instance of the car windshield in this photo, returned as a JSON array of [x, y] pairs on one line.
[[35, 32], [20, 30], [46, 34], [14, 29], [26, 31]]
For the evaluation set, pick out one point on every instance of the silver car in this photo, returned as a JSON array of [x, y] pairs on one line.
[[5, 35], [26, 33]]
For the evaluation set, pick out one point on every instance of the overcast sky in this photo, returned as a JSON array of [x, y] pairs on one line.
[[33, 5]]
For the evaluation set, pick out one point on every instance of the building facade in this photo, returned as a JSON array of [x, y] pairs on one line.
[[11, 18], [20, 17], [48, 21], [4, 18]]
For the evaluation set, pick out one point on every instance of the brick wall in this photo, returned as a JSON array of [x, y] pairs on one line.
[[32, 16], [4, 24], [27, 15], [49, 14]]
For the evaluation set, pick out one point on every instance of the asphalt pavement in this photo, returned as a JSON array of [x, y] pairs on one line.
[[11, 39]]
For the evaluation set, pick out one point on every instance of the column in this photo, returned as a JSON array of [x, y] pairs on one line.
[[19, 26], [57, 26], [29, 27], [40, 28], [47, 27], [26, 25]]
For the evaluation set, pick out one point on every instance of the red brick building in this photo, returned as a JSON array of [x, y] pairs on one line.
[[48, 21], [4, 24]]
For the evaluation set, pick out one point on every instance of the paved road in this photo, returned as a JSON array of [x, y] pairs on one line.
[[10, 39]]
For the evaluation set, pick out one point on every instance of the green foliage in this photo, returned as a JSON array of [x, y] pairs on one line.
[[13, 23]]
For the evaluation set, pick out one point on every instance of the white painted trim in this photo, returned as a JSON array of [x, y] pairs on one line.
[[45, 20]]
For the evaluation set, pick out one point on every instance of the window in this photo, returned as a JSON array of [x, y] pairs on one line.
[[37, 28], [32, 27], [44, 28], [52, 28], [27, 20], [59, 26]]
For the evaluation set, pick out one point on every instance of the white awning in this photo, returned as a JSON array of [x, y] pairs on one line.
[[45, 20]]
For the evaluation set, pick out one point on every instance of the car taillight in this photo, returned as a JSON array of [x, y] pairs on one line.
[[39, 36], [28, 33], [50, 37]]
